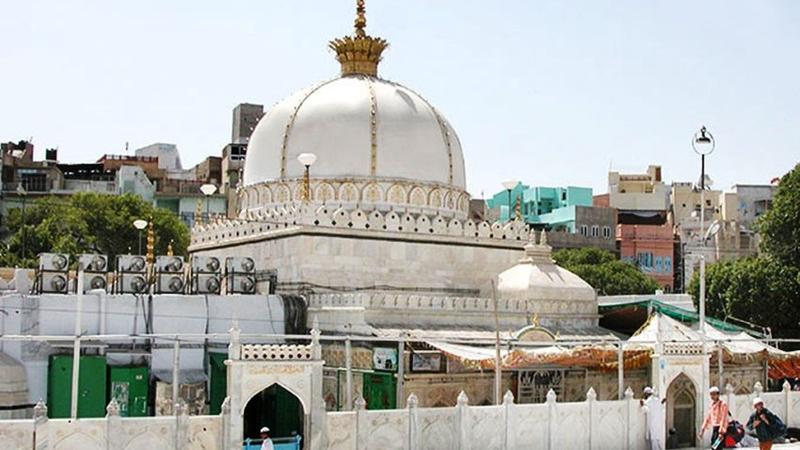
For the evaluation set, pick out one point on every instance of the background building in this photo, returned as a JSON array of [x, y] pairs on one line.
[[644, 235]]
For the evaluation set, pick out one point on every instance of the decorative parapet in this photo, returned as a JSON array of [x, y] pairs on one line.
[[441, 303], [683, 348], [275, 352], [263, 222]]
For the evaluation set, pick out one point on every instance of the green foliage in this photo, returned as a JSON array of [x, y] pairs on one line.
[[761, 290], [89, 223], [605, 273], [764, 290], [780, 226]]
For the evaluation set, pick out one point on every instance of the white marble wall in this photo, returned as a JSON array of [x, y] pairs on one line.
[[590, 424]]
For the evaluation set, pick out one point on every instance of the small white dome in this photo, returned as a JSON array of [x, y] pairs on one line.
[[336, 119], [537, 279]]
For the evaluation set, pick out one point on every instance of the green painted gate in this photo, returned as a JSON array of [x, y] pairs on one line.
[[218, 382], [91, 386], [380, 390]]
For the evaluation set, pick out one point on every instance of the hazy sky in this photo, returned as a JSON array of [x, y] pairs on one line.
[[549, 92]]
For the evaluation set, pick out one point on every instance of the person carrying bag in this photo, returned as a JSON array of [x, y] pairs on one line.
[[765, 424]]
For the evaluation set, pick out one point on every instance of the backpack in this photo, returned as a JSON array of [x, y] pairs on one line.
[[777, 427]]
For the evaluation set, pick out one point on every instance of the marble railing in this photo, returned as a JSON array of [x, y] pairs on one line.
[[590, 424], [269, 221], [274, 352], [405, 301]]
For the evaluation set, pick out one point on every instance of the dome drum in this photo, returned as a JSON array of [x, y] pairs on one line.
[[363, 193]]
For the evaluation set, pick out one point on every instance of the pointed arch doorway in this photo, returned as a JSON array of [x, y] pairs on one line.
[[277, 408], [681, 412]]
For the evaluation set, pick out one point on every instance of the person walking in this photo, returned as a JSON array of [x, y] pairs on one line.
[[766, 425], [716, 418], [266, 442], [654, 411]]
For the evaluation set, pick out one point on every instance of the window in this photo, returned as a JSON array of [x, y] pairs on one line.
[[564, 195], [659, 265], [645, 259], [584, 230], [607, 232], [668, 264], [595, 231]]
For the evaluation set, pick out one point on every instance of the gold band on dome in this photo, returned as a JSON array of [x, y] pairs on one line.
[[361, 53]]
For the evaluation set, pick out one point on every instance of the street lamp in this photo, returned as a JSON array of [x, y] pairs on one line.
[[509, 185], [307, 160], [140, 225], [208, 190], [703, 144], [24, 194]]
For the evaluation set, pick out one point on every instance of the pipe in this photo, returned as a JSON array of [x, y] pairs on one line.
[[348, 361], [176, 364], [76, 349]]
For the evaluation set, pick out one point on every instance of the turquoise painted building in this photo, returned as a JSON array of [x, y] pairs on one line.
[[553, 207]]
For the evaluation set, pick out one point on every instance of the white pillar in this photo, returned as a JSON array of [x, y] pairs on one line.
[[462, 419], [76, 348], [401, 369], [176, 370], [509, 438], [551, 419], [348, 362], [591, 397], [413, 423], [620, 371]]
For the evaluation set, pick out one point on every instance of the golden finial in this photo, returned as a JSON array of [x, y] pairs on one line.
[[151, 242], [169, 248], [360, 53], [535, 320], [361, 18]]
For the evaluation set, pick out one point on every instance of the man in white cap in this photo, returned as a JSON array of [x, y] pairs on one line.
[[266, 443], [717, 417], [654, 410]]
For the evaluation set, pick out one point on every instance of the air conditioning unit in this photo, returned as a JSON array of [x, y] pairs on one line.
[[241, 284], [169, 264], [53, 262], [131, 264], [54, 282], [205, 264], [92, 281], [239, 264], [93, 263], [130, 283], [169, 283], [206, 283]]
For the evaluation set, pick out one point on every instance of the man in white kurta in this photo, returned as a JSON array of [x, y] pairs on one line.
[[656, 425], [266, 443]]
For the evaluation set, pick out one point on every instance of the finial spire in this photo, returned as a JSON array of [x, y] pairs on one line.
[[359, 54], [361, 18]]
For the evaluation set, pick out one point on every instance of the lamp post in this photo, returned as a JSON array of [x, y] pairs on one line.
[[307, 160], [140, 225], [509, 185], [24, 194], [208, 190], [703, 144]]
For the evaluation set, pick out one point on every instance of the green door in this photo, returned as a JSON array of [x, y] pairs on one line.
[[218, 384], [91, 386], [129, 386], [380, 390]]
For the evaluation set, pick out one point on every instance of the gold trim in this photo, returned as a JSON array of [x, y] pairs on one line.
[[373, 129]]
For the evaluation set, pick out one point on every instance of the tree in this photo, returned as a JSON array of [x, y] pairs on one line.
[[604, 272], [764, 290], [89, 223], [760, 290], [780, 226]]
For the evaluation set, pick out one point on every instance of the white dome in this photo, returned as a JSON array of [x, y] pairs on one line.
[[379, 145], [334, 120]]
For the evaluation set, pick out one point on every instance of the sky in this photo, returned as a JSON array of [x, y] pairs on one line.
[[552, 93]]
